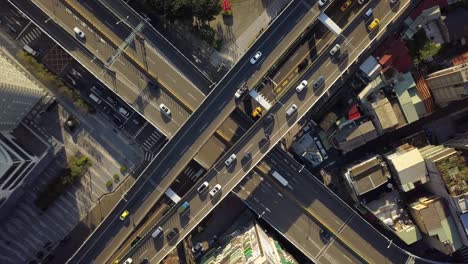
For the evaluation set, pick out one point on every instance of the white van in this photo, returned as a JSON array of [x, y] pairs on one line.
[[29, 50], [157, 232], [95, 98], [124, 112], [291, 110]]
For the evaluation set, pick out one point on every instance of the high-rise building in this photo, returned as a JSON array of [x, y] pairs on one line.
[[449, 84], [20, 163], [249, 244], [18, 94]]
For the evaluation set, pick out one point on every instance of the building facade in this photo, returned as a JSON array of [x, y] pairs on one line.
[[18, 94], [449, 84]]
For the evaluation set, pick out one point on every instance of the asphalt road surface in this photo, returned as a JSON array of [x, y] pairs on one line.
[[355, 39], [195, 132]]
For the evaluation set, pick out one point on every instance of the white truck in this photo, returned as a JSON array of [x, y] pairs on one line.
[[370, 69]]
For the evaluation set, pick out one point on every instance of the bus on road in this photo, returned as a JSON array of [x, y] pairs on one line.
[[172, 195], [280, 178]]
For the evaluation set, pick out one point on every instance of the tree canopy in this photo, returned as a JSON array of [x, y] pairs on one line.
[[202, 10]]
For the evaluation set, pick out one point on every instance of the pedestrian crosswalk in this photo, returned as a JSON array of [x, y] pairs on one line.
[[193, 174], [152, 140], [149, 156], [30, 36]]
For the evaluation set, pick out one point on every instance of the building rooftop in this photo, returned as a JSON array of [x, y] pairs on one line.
[[433, 220], [409, 167], [307, 148], [248, 245], [389, 209], [451, 166], [385, 114], [393, 52], [368, 175], [425, 4], [408, 97], [354, 134]]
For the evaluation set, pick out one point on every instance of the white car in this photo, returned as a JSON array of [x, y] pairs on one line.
[[129, 261], [165, 109], [322, 2], [240, 92], [301, 86], [215, 190], [202, 188], [78, 32], [230, 159], [393, 1], [256, 57], [361, 2], [335, 49]]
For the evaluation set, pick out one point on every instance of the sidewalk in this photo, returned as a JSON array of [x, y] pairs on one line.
[[250, 18], [86, 226]]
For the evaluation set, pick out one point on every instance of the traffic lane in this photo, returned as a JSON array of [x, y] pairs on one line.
[[365, 238], [181, 141], [149, 108], [338, 254], [120, 86], [128, 243], [190, 96], [181, 93], [292, 221], [111, 226], [164, 70], [312, 195], [68, 20], [300, 13], [116, 26], [163, 47]]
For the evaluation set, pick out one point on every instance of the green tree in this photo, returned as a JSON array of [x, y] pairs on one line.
[[206, 10], [429, 50]]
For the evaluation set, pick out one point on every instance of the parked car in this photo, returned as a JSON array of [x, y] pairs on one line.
[[215, 190], [128, 261], [256, 57]]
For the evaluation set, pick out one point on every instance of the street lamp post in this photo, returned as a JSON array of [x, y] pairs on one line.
[[121, 20], [260, 216]]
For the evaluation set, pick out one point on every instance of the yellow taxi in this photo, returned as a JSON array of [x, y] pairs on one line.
[[374, 24], [345, 5], [124, 215], [257, 111]]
